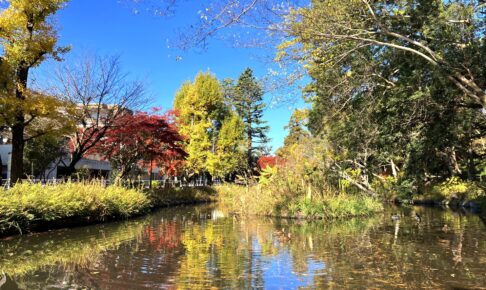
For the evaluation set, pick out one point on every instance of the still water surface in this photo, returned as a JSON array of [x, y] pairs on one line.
[[202, 248]]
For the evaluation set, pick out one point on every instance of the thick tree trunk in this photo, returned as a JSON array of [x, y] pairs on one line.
[[17, 158], [18, 143], [71, 168]]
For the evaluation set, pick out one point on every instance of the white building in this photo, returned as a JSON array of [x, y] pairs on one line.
[[94, 164]]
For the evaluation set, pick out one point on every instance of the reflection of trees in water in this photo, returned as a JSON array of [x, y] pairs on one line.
[[416, 256], [52, 258], [191, 248]]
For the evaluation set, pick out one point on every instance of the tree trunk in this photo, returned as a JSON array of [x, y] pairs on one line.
[[250, 144], [71, 169], [471, 168], [18, 143], [17, 158]]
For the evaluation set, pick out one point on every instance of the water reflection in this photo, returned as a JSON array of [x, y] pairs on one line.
[[202, 248]]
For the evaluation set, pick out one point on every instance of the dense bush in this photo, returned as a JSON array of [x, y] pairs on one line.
[[27, 203], [455, 191]]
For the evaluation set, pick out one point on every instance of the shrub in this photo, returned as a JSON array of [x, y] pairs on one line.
[[28, 203]]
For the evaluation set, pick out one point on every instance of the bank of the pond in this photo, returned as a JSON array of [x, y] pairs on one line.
[[257, 201], [34, 207], [453, 193]]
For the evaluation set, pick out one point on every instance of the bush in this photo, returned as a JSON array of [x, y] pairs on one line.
[[458, 189], [457, 192], [27, 203]]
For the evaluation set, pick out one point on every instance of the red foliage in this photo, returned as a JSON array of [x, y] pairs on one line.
[[144, 139], [271, 161]]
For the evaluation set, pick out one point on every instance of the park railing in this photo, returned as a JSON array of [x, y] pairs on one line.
[[143, 183]]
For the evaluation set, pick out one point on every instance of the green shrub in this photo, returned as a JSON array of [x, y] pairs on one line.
[[455, 188], [26, 203]]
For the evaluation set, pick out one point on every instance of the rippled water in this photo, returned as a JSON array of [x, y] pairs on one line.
[[202, 248]]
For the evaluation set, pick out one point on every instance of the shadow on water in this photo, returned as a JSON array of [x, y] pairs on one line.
[[200, 247]]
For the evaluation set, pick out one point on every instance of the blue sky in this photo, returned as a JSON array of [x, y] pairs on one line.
[[144, 43]]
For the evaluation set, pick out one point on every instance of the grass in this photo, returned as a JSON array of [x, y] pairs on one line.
[[26, 204], [258, 201]]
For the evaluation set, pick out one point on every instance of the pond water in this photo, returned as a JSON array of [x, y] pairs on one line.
[[201, 247]]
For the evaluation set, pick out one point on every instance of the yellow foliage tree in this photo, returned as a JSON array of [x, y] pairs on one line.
[[27, 38], [200, 108]]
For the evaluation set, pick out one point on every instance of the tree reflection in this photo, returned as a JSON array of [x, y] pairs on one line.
[[200, 248]]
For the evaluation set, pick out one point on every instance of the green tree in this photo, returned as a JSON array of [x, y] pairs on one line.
[[42, 152], [297, 127], [247, 99], [389, 85], [27, 38]]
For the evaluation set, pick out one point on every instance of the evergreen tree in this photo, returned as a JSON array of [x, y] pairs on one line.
[[247, 100]]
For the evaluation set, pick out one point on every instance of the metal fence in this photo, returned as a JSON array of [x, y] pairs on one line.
[[145, 183]]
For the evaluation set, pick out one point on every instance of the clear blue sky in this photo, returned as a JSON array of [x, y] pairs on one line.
[[110, 27]]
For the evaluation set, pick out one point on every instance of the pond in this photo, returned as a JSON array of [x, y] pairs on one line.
[[201, 247]]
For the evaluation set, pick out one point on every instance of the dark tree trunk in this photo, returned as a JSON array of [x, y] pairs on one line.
[[17, 158], [250, 145], [471, 168], [71, 168]]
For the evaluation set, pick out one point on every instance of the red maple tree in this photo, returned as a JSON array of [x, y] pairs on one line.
[[272, 161], [142, 139]]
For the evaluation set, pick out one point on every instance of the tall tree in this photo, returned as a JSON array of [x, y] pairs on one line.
[[448, 36], [200, 110], [27, 38], [100, 93], [248, 102], [229, 157], [386, 88]]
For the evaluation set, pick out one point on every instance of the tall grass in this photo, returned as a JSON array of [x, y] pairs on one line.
[[260, 200], [25, 203]]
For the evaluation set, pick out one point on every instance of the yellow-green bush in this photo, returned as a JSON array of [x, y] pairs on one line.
[[261, 201], [28, 203], [457, 188]]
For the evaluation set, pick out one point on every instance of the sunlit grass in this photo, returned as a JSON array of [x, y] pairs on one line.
[[255, 200], [27, 203]]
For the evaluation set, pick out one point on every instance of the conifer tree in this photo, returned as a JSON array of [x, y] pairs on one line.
[[248, 102]]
